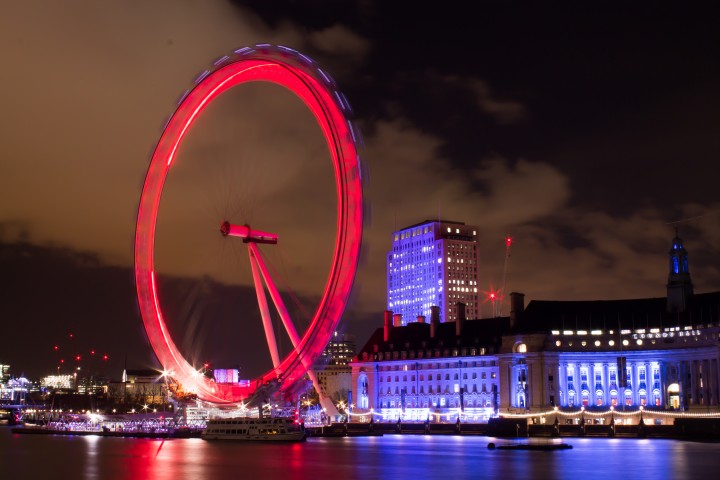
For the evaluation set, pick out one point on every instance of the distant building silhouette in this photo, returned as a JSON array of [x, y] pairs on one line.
[[332, 370]]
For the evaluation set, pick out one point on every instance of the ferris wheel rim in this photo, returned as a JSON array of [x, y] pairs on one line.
[[305, 79]]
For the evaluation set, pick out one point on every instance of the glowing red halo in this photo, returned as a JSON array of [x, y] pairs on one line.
[[301, 76]]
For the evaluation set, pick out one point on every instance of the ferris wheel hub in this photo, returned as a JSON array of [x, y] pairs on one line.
[[247, 234]]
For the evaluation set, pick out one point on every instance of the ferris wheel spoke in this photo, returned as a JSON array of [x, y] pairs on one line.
[[287, 321], [276, 298], [264, 311]]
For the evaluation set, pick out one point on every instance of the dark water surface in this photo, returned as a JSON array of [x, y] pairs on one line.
[[388, 457]]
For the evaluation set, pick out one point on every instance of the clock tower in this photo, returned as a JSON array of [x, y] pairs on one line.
[[679, 286]]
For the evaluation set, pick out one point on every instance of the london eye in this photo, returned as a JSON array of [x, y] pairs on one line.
[[298, 74]]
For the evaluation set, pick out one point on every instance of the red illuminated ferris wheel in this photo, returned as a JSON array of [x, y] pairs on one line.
[[301, 76]]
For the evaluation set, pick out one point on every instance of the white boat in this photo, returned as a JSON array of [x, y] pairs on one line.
[[273, 429]]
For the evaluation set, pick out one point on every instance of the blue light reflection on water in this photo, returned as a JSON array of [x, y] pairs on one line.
[[391, 456]]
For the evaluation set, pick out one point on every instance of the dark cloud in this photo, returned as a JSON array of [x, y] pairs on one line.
[[581, 132], [51, 293]]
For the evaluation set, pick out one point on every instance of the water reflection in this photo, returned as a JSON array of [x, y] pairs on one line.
[[391, 456], [91, 456]]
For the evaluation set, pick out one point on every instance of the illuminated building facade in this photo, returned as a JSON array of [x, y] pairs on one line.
[[430, 368], [612, 353], [12, 390], [434, 263], [659, 354], [651, 352]]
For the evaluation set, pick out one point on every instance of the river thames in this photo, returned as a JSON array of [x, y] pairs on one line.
[[390, 456]]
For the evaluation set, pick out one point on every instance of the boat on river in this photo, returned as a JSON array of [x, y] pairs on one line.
[[272, 429], [539, 447]]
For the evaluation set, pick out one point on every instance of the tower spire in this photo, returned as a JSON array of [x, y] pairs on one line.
[[679, 286]]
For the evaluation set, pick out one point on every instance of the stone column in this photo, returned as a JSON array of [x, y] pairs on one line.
[[634, 376], [530, 384], [707, 382], [714, 382], [663, 382], [685, 384], [694, 382], [606, 383], [556, 383], [649, 383]]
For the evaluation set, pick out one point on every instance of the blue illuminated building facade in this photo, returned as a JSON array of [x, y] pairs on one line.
[[645, 355], [612, 353], [430, 368], [433, 263]]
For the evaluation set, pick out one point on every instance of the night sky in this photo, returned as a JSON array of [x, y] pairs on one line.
[[586, 132]]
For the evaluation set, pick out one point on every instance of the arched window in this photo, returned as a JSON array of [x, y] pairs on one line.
[[656, 398], [613, 398], [362, 388], [585, 398]]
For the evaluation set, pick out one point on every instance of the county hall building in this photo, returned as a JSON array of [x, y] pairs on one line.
[[660, 354]]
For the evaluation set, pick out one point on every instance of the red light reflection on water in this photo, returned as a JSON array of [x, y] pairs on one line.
[[391, 456]]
